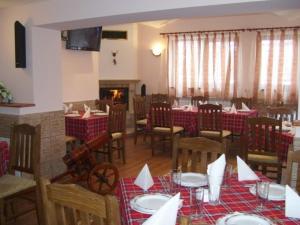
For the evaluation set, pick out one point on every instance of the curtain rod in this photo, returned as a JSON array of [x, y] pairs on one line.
[[232, 30]]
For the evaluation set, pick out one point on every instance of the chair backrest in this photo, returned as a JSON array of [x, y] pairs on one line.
[[196, 153], [101, 103], [161, 115], [70, 204], [117, 118], [25, 145], [195, 99], [293, 163], [282, 113], [159, 98], [262, 135], [210, 118], [139, 108], [238, 102]]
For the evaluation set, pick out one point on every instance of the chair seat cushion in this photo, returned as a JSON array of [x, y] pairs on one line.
[[10, 184], [116, 135], [208, 133], [262, 158], [176, 129], [142, 122]]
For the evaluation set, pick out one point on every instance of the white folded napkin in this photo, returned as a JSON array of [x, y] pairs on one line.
[[175, 104], [107, 109], [244, 171], [144, 179], [217, 103], [292, 203], [167, 214], [233, 109], [68, 108], [200, 102], [85, 107], [215, 172], [245, 107], [87, 114]]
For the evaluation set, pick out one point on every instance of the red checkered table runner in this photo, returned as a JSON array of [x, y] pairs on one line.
[[4, 157], [237, 198], [86, 129]]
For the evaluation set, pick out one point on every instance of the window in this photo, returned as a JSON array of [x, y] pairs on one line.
[[202, 64]]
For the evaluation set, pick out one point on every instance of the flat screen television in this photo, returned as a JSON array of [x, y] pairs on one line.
[[20, 45], [87, 39]]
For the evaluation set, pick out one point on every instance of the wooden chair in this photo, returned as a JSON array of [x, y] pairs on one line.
[[196, 153], [195, 100], [25, 143], [117, 130], [293, 157], [159, 98], [161, 123], [238, 102], [70, 204], [282, 113], [210, 123], [101, 104], [140, 117], [261, 143]]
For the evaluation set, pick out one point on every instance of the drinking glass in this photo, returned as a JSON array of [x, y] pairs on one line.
[[262, 193], [175, 180], [227, 176], [196, 202], [214, 189]]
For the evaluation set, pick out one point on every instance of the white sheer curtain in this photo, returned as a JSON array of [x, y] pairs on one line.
[[203, 64]]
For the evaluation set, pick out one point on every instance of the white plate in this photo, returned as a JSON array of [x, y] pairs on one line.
[[96, 111], [193, 180], [101, 114], [243, 110], [149, 203], [72, 115], [243, 219], [276, 192]]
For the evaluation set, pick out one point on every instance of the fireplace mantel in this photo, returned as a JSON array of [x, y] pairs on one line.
[[118, 81]]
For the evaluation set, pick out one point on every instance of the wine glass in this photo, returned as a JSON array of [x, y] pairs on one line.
[[227, 175], [196, 202], [262, 193]]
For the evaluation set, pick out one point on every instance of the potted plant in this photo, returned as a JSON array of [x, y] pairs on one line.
[[5, 95]]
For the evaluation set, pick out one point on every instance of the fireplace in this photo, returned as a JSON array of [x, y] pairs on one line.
[[117, 94]]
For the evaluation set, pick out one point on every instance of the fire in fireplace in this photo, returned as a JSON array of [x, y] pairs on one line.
[[117, 94]]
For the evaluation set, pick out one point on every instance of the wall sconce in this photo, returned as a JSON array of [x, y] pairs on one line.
[[156, 49], [114, 55]]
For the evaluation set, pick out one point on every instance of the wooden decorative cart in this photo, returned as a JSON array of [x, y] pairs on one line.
[[82, 167]]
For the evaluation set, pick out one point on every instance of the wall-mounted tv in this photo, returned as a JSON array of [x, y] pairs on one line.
[[87, 39], [20, 45]]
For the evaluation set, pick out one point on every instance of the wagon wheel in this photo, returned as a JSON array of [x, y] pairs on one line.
[[103, 178]]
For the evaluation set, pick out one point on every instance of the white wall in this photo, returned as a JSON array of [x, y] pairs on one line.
[[126, 67]]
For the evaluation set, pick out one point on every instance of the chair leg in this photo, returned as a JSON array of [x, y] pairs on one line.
[[119, 144], [123, 150], [135, 136], [39, 207], [279, 174], [2, 215], [110, 151]]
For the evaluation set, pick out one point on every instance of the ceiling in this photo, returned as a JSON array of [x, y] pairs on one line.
[[9, 3]]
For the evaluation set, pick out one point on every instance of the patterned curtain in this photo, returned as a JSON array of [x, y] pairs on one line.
[[203, 64], [275, 79]]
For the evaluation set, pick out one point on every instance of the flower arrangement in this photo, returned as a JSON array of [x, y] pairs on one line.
[[5, 94]]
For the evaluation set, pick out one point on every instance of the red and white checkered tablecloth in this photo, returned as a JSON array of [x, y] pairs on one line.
[[4, 157], [237, 198], [86, 129], [232, 122]]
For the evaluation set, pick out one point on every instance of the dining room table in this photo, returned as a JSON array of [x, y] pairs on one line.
[[85, 129], [236, 198], [4, 157], [188, 119]]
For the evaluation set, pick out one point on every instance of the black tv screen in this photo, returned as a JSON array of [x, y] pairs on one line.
[[87, 39], [20, 45]]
